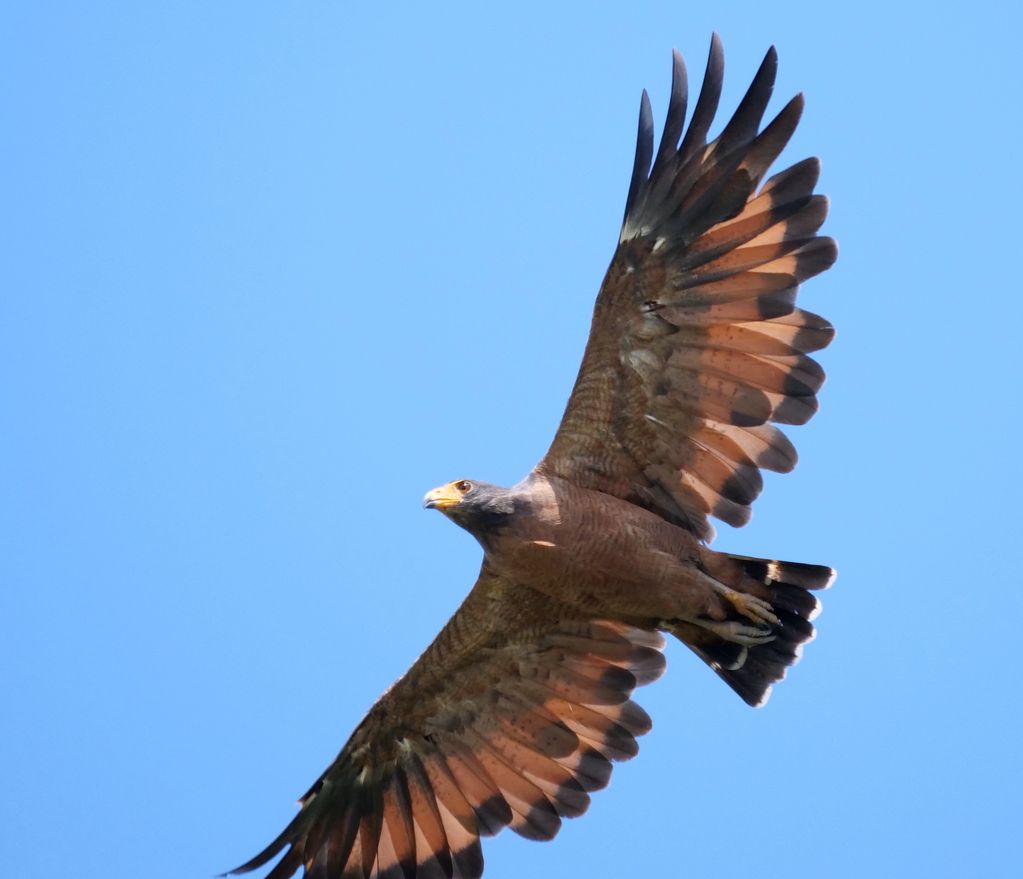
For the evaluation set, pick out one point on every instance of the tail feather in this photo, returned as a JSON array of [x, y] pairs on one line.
[[788, 586]]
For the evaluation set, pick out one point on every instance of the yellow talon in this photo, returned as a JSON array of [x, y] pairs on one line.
[[751, 607]]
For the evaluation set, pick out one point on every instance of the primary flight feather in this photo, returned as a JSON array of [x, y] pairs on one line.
[[517, 710]]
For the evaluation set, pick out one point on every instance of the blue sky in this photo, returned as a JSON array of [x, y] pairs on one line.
[[271, 271]]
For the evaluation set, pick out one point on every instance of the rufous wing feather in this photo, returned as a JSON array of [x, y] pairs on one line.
[[697, 345], [510, 719]]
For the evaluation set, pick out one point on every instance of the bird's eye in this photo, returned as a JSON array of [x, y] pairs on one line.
[[464, 486]]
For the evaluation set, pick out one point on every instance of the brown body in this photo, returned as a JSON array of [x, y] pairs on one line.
[[516, 711], [643, 570]]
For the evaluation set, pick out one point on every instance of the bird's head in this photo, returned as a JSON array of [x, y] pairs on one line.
[[476, 506]]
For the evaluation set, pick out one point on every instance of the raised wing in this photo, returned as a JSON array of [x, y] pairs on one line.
[[696, 344], [510, 718]]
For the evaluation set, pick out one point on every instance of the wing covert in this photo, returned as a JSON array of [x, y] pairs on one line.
[[697, 346]]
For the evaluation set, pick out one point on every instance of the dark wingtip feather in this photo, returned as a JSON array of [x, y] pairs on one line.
[[644, 153], [717, 51], [268, 854], [772, 140], [286, 866], [707, 103], [469, 861], [817, 256], [796, 181], [745, 121], [677, 105]]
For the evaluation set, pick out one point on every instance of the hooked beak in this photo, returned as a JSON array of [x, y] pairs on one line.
[[442, 498]]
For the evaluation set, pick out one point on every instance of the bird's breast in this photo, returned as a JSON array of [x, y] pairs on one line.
[[588, 549]]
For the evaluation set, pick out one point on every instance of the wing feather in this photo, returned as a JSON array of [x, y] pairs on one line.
[[426, 820], [697, 344], [509, 719]]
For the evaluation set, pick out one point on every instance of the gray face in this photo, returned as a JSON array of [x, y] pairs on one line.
[[478, 507]]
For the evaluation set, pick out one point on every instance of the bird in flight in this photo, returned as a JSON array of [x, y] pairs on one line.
[[516, 712]]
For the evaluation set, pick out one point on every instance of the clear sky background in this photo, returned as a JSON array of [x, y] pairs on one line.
[[270, 271]]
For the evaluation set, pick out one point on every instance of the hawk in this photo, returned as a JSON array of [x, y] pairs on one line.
[[516, 712]]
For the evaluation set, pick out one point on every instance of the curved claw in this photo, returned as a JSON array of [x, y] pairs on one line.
[[740, 633], [751, 607]]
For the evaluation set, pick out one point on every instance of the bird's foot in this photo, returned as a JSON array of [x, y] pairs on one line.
[[739, 633], [751, 607]]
